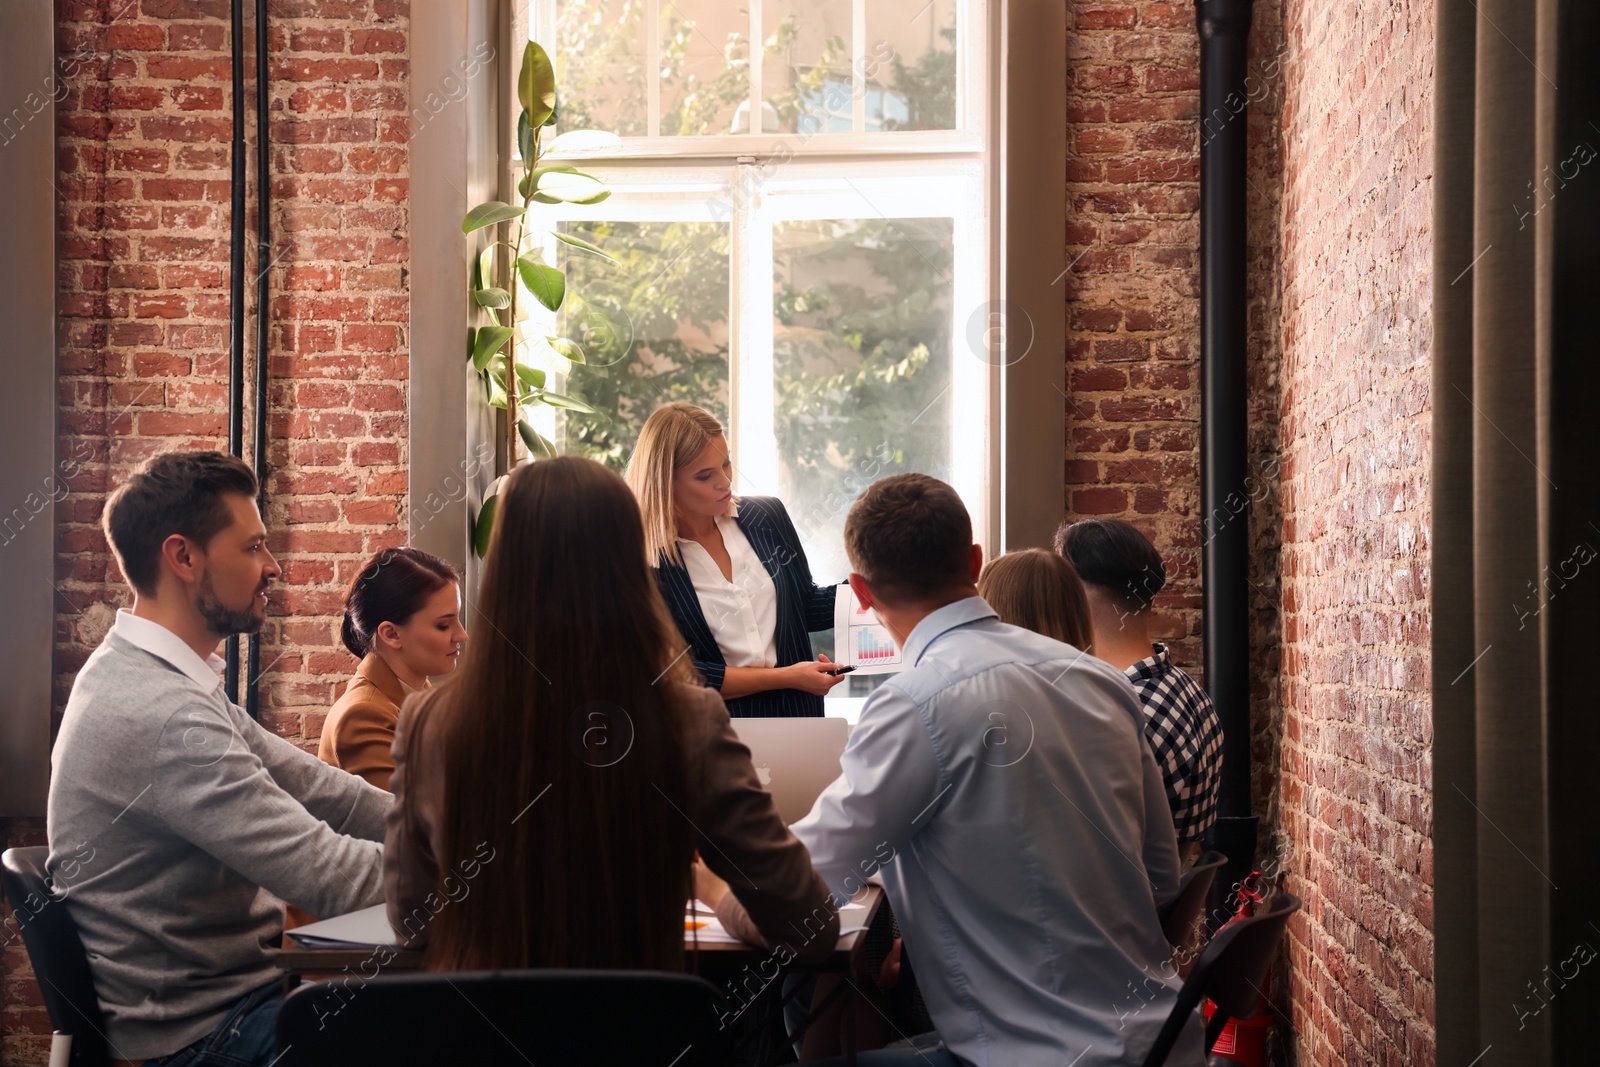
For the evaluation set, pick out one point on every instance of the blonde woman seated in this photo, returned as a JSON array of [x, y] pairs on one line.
[[1039, 591], [550, 796], [402, 619], [732, 570]]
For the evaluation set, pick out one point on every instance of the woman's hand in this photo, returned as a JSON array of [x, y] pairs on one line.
[[812, 677], [708, 888]]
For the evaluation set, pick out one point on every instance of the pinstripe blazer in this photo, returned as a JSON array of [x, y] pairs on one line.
[[802, 608]]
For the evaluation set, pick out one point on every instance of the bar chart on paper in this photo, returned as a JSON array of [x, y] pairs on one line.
[[859, 639]]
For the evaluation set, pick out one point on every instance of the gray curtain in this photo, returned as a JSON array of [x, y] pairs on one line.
[[1516, 531]]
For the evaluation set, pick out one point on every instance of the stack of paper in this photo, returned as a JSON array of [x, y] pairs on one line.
[[367, 928]]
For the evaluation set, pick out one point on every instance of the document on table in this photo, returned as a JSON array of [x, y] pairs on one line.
[[851, 918], [859, 639], [367, 928]]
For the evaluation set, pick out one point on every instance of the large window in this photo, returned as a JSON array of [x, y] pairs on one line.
[[808, 277]]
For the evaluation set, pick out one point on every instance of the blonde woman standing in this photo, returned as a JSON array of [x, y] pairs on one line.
[[731, 570]]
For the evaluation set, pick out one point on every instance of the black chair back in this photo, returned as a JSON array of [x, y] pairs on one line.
[[489, 1018], [1179, 915], [56, 953], [1229, 972]]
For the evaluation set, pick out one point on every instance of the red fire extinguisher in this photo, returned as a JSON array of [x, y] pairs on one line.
[[1245, 1040]]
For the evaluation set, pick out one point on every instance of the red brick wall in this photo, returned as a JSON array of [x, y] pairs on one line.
[[144, 300], [1133, 349], [1338, 345], [143, 295], [1133, 316], [1356, 774], [1339, 129]]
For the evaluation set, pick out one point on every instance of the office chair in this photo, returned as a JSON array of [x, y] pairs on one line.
[[1229, 972], [513, 1018], [59, 962], [1178, 915]]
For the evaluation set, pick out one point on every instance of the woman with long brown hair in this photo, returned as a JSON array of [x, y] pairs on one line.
[[1039, 591], [549, 797]]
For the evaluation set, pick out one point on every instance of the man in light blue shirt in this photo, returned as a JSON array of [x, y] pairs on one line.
[[1009, 776]]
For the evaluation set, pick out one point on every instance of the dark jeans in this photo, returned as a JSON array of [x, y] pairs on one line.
[[244, 1039]]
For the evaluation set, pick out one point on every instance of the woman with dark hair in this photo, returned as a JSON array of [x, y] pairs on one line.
[[548, 797], [1039, 591], [402, 619]]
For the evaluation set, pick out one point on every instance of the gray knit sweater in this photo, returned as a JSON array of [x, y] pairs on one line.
[[177, 827]]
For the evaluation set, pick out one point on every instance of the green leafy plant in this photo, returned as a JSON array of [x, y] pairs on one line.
[[509, 270]]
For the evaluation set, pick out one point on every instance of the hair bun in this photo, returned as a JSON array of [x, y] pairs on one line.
[[358, 643]]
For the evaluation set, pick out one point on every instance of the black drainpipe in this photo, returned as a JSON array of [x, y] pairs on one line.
[[1224, 33], [263, 310], [236, 293]]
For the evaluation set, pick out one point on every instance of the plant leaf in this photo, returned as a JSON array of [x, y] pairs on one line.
[[531, 377], [548, 285], [524, 139], [568, 349], [584, 141], [490, 338], [565, 185], [557, 400], [536, 85], [578, 242], [495, 298], [537, 443], [484, 527], [489, 213], [539, 173]]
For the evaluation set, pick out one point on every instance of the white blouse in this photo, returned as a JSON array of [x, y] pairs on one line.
[[743, 613]]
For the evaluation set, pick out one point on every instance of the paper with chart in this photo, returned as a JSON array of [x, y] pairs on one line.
[[859, 639]]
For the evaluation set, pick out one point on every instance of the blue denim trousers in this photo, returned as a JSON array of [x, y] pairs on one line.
[[244, 1039]]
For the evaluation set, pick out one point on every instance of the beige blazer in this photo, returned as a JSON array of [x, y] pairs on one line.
[[360, 729]]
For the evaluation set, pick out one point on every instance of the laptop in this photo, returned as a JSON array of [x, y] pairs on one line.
[[796, 759]]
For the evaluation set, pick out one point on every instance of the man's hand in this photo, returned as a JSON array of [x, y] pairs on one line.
[[708, 888]]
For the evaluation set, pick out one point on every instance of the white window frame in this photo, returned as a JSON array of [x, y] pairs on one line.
[[456, 158], [972, 94], [762, 179]]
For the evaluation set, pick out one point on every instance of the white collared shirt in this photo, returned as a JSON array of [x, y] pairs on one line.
[[159, 641], [743, 613]]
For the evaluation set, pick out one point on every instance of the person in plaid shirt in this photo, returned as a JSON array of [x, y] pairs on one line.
[[1122, 572]]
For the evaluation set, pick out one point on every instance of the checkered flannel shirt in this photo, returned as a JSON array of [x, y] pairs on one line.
[[1186, 737]]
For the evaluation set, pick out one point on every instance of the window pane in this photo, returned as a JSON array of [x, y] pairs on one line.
[[862, 312], [911, 60], [705, 66], [805, 67], [654, 328], [600, 66]]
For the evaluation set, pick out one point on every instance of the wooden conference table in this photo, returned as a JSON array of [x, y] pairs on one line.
[[712, 960], [299, 960]]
